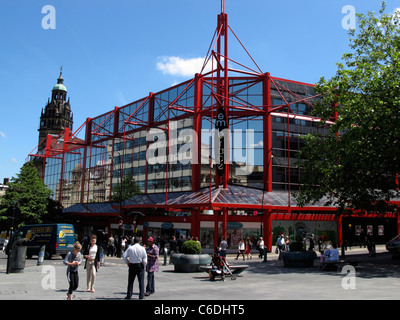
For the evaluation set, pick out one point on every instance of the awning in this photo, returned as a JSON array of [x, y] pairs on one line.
[[234, 197]]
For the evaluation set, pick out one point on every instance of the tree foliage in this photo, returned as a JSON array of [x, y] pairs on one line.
[[28, 193], [357, 163], [127, 190]]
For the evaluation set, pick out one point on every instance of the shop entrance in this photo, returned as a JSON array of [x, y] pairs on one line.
[[356, 229]]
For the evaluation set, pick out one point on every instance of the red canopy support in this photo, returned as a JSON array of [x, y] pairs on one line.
[[339, 230], [267, 227]]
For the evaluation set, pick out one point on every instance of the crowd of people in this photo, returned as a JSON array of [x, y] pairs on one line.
[[139, 258], [116, 245]]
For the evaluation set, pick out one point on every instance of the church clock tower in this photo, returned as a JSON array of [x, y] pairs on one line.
[[57, 114]]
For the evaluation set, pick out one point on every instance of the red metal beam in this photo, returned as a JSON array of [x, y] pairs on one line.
[[267, 138]]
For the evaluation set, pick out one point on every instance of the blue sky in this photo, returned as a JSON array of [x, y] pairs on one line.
[[117, 51]]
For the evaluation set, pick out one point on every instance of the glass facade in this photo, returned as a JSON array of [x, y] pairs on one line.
[[152, 140], [288, 126]]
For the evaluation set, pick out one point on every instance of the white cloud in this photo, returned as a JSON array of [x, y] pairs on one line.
[[2, 134], [14, 160], [178, 66]]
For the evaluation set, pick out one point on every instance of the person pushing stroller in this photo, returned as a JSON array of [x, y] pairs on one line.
[[217, 266]]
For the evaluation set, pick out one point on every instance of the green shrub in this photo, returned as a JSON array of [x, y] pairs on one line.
[[191, 247]]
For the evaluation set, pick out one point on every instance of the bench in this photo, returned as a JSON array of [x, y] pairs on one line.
[[334, 265], [235, 269]]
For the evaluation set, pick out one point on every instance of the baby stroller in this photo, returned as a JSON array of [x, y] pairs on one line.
[[219, 267]]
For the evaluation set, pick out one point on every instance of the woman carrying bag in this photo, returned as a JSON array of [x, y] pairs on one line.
[[92, 263]]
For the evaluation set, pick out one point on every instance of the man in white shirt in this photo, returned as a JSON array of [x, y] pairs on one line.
[[136, 259]]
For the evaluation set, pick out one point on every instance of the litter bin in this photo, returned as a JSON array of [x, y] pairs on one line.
[[18, 256]]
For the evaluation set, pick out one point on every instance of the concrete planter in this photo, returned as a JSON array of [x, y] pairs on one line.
[[299, 259], [189, 262]]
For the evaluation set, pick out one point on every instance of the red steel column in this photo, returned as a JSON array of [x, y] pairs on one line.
[[196, 159], [88, 143], [398, 220], [224, 222], [267, 226], [216, 216], [339, 230], [267, 135], [226, 98], [195, 223], [150, 123], [46, 154], [65, 149], [222, 90]]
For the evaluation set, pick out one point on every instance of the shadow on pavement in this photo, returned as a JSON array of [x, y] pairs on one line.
[[382, 265]]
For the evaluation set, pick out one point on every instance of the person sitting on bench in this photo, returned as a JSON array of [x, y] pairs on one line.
[[331, 257]]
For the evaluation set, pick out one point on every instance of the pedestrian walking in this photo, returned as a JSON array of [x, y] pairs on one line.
[[162, 245], [260, 247], [118, 248], [73, 260], [287, 243], [5, 244], [136, 259], [92, 254], [152, 265], [280, 245], [123, 245], [249, 246], [241, 248], [110, 246], [223, 246], [180, 242], [312, 243], [173, 245]]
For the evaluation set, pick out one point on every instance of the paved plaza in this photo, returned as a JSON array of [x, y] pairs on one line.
[[374, 278]]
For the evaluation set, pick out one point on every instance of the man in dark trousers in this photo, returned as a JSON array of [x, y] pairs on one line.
[[136, 259]]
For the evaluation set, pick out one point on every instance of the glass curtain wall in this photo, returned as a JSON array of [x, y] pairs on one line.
[[120, 140]]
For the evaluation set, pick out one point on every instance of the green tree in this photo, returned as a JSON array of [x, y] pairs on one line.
[[358, 168], [128, 190], [30, 195]]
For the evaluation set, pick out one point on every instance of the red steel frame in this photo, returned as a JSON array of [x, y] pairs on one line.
[[218, 80]]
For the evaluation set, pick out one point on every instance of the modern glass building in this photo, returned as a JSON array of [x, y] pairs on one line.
[[214, 156]]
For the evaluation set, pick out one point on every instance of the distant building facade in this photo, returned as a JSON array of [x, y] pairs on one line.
[[3, 187]]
